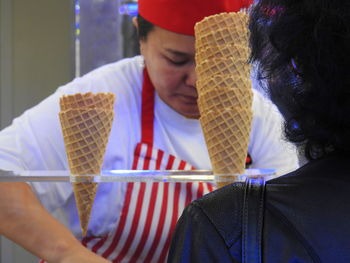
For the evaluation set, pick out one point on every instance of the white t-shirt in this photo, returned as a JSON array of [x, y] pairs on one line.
[[34, 141]]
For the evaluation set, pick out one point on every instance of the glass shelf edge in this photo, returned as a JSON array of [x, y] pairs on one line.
[[130, 176]]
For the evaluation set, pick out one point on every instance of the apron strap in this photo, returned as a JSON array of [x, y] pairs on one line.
[[147, 109]]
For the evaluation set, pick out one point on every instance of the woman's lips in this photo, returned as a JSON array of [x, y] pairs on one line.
[[189, 99]]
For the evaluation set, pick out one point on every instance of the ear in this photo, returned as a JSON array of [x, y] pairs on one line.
[[135, 23]]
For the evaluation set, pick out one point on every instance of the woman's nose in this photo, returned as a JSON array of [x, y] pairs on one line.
[[191, 76]]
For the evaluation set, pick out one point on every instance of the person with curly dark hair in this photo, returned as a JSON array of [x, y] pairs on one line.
[[301, 50]]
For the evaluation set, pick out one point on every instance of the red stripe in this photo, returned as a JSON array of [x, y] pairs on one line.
[[42, 261], [210, 187], [148, 157], [136, 156], [99, 244], [182, 165], [160, 226], [160, 155], [135, 223], [200, 190], [173, 223], [189, 190], [170, 162], [147, 227], [122, 221], [147, 117], [86, 240], [188, 193]]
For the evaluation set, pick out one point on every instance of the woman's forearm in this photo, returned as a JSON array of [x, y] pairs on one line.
[[26, 222]]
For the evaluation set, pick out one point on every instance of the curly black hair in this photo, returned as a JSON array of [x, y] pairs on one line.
[[302, 52]]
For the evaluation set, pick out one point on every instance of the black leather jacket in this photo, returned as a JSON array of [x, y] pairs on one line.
[[306, 219]]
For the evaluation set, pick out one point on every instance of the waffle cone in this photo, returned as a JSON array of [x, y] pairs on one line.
[[85, 132], [218, 99], [226, 134], [229, 66], [222, 20], [224, 89]]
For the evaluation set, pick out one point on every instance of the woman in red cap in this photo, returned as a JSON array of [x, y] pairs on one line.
[[156, 127]]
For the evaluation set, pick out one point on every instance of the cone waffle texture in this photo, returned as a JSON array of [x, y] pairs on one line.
[[229, 66], [86, 121], [224, 90], [87, 100], [220, 29], [227, 137], [223, 81], [222, 20], [216, 99], [222, 51], [221, 37]]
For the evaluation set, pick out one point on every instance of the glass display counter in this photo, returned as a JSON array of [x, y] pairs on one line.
[[7, 248], [133, 176]]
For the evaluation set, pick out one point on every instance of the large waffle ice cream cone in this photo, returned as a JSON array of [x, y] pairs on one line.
[[224, 91], [227, 137], [86, 124]]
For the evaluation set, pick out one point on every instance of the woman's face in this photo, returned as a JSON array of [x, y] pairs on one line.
[[169, 58]]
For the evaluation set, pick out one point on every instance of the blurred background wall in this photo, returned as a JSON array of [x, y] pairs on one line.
[[36, 52], [45, 44]]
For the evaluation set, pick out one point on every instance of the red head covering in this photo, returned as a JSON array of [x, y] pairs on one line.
[[180, 16]]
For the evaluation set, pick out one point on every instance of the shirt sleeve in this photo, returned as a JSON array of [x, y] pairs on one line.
[[34, 142], [268, 147], [196, 239], [34, 139]]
